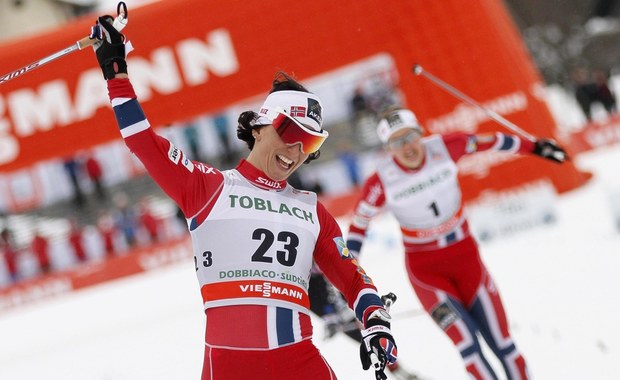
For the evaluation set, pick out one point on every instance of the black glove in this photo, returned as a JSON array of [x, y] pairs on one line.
[[110, 48], [550, 150], [378, 347]]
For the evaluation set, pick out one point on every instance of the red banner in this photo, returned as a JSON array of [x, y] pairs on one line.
[[56, 284], [194, 57]]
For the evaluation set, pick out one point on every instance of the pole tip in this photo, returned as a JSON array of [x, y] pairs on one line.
[[417, 69]]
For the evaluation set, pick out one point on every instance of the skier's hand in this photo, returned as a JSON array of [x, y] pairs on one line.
[[110, 47], [550, 150], [378, 347]]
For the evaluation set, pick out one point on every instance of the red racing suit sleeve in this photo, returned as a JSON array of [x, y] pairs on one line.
[[192, 185], [461, 144], [370, 203], [342, 269]]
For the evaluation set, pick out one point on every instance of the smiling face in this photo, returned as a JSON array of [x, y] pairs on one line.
[[271, 155], [406, 147]]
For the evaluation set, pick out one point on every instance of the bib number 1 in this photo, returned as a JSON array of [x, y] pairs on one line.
[[433, 207]]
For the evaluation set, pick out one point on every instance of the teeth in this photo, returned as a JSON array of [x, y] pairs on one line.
[[286, 160]]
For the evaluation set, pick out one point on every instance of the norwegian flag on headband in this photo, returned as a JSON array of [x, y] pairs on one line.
[[298, 111]]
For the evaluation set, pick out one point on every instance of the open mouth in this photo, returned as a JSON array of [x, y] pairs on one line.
[[410, 155], [284, 162]]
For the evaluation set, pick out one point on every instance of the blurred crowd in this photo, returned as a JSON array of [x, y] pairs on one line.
[[75, 167], [40, 245], [591, 88]]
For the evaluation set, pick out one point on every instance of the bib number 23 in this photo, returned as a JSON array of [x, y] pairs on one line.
[[285, 256]]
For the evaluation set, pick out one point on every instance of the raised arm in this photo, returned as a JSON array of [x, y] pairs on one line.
[[190, 184], [460, 144]]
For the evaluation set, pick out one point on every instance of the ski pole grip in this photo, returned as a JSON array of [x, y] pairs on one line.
[[119, 24], [388, 300], [86, 42]]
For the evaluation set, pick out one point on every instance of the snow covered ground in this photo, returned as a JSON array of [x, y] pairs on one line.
[[559, 283]]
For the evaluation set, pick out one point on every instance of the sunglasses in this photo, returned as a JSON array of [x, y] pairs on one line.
[[292, 131], [401, 141]]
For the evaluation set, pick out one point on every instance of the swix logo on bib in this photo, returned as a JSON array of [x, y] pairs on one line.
[[269, 183]]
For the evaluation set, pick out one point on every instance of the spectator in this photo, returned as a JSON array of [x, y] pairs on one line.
[[9, 253], [76, 242], [150, 223], [349, 158], [592, 89], [72, 168], [125, 218], [108, 232], [40, 247], [359, 104], [95, 174], [604, 94]]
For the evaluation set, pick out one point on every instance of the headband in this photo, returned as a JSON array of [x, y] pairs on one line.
[[303, 106], [395, 121]]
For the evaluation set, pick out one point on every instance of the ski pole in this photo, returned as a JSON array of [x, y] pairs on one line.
[[119, 23], [419, 70], [388, 300]]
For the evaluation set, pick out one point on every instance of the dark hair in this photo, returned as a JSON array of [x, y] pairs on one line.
[[247, 119], [389, 110]]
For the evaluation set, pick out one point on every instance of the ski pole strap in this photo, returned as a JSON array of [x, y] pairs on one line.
[[380, 372], [388, 300]]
